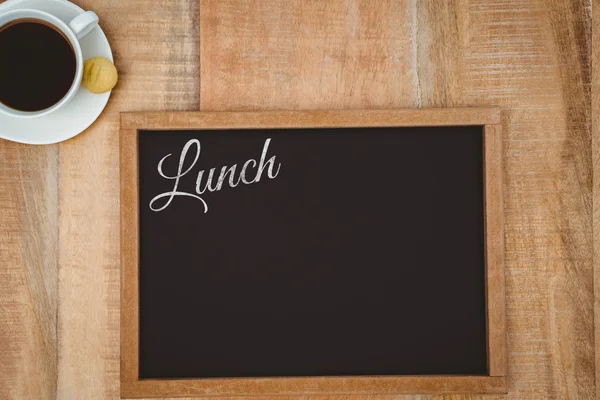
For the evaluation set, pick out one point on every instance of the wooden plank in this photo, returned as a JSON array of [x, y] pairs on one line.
[[310, 119], [308, 54], [494, 253], [28, 271], [314, 386], [533, 59]]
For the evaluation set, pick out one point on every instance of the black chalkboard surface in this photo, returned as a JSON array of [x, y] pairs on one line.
[[354, 251]]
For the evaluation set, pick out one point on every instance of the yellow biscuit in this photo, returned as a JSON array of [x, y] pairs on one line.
[[99, 75]]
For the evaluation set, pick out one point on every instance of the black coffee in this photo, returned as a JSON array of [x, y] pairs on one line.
[[37, 65]]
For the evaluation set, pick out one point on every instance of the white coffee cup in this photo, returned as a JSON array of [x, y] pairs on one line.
[[74, 31]]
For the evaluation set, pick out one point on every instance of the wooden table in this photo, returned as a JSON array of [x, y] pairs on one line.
[[59, 204]]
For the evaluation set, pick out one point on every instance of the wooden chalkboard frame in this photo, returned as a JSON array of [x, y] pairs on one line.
[[494, 382]]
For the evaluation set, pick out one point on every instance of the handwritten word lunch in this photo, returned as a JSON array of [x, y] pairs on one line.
[[210, 184]]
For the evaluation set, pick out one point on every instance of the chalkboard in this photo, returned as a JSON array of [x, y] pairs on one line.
[[270, 252]]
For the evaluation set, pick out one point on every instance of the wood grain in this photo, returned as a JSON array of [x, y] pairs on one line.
[[28, 271], [130, 318], [290, 55], [310, 119], [494, 250], [350, 386], [531, 57]]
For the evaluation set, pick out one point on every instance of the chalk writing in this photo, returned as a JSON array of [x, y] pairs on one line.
[[211, 184]]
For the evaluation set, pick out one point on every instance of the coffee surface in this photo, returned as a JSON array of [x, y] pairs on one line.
[[37, 65]]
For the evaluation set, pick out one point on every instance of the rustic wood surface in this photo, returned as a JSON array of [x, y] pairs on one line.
[[59, 205]]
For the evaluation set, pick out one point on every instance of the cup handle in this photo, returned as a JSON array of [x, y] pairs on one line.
[[83, 24]]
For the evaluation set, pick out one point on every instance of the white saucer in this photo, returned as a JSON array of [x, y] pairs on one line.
[[83, 109]]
